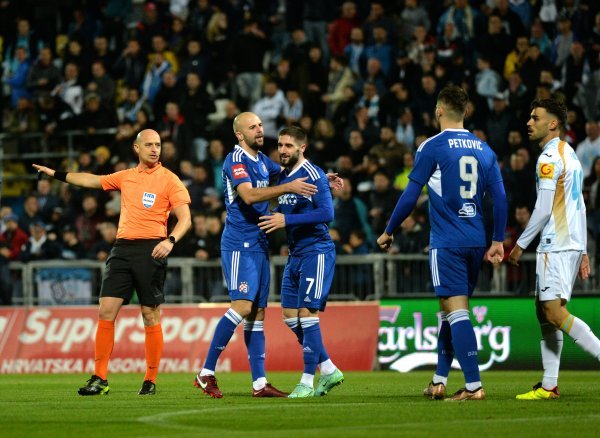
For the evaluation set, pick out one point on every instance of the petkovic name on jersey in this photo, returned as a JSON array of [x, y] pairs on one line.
[[462, 143]]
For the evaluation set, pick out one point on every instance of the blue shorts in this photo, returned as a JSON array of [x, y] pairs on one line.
[[454, 271], [247, 275], [306, 281]]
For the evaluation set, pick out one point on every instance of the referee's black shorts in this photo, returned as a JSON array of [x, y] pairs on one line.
[[130, 267]]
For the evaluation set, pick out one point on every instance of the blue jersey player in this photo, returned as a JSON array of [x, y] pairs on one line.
[[247, 173], [309, 270], [458, 169]]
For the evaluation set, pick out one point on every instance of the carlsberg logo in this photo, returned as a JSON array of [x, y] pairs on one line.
[[404, 348]]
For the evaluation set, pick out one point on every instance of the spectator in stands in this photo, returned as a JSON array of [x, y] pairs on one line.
[[31, 212], [533, 66], [23, 119], [413, 15], [17, 78], [196, 105], [340, 76], [313, 82], [269, 108], [159, 45], [214, 163], [13, 238], [200, 244], [101, 249], [70, 246], [96, 117], [43, 75], [69, 90], [131, 64], [466, 19], [131, 105], [425, 101], [153, 78], [341, 28], [413, 238], [539, 37], [173, 126], [248, 49], [75, 54], [378, 18], [406, 130], [516, 58], [510, 20], [102, 84], [195, 60], [350, 214], [487, 82], [575, 71], [46, 200], [561, 45], [381, 50], [24, 37], [222, 129], [39, 247], [87, 222], [382, 200], [103, 53], [152, 23], [499, 122], [388, 150], [200, 184], [589, 148], [355, 52]]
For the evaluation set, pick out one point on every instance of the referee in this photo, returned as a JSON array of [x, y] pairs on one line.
[[138, 260]]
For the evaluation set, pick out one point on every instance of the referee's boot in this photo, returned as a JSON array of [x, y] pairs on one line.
[[95, 386], [148, 388]]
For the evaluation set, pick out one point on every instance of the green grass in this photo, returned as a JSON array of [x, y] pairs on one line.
[[367, 404]]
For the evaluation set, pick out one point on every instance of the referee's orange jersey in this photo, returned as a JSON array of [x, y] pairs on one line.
[[147, 197]]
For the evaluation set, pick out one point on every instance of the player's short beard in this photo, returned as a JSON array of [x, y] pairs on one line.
[[253, 144], [292, 160]]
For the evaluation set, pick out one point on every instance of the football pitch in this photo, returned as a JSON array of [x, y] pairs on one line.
[[367, 404]]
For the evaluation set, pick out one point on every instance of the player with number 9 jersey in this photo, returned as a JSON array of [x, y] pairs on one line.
[[458, 168]]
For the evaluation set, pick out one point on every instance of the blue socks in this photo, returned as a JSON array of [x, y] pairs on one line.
[[223, 333], [465, 347], [444, 347], [294, 325], [254, 336], [312, 346]]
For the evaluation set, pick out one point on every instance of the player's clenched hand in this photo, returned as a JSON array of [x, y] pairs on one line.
[[515, 255], [495, 253], [584, 268], [300, 187], [335, 182], [385, 241], [43, 169], [271, 223], [162, 249]]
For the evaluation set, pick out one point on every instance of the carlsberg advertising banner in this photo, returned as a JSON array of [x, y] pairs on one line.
[[507, 331]]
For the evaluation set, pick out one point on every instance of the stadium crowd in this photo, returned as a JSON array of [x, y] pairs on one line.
[[360, 76]]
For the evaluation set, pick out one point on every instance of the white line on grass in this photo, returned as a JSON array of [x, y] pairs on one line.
[[164, 419]]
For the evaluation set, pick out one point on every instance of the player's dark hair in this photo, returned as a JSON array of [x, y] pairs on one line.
[[553, 106], [455, 100], [296, 132]]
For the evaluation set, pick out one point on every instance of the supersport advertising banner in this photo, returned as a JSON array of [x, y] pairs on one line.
[[60, 339], [507, 331]]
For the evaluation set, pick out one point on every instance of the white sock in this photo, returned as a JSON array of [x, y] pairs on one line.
[[582, 335], [259, 383], [551, 347], [473, 386], [307, 379], [206, 372], [327, 367], [440, 379]]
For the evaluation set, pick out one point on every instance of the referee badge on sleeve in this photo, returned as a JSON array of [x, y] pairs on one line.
[[148, 199], [546, 170]]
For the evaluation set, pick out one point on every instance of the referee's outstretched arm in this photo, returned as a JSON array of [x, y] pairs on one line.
[[88, 180]]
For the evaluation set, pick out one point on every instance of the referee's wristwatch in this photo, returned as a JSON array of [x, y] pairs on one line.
[[172, 240]]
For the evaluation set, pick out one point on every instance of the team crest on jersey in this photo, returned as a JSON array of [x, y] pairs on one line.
[[263, 169], [243, 287], [239, 171], [148, 199], [546, 170]]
